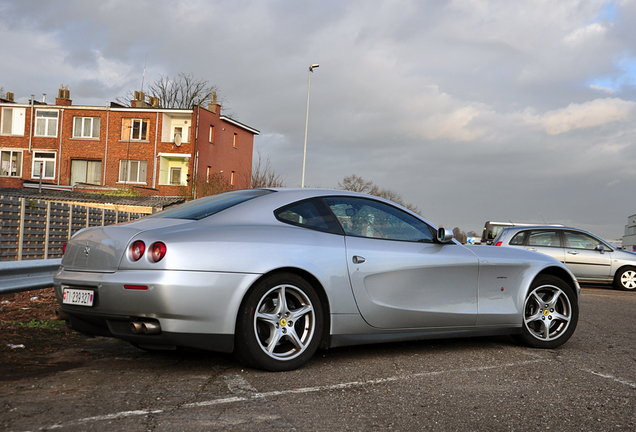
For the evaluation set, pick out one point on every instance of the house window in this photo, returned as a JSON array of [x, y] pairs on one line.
[[134, 129], [11, 163], [173, 169], [13, 121], [232, 178], [175, 176], [131, 171], [212, 134], [86, 127], [83, 171], [235, 141], [207, 174], [44, 163], [46, 123]]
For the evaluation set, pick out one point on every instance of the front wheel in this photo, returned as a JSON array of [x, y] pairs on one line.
[[550, 313], [626, 279], [280, 324]]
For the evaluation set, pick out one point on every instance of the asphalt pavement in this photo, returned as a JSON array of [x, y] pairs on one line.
[[479, 384]]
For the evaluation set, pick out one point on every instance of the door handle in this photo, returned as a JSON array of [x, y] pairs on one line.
[[532, 249], [571, 252], [358, 259]]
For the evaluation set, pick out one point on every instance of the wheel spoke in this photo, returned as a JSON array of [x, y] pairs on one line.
[[555, 298], [560, 317], [274, 338], [294, 339], [299, 313], [536, 317], [269, 318], [546, 329]]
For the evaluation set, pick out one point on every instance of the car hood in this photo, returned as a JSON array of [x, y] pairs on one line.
[[100, 249]]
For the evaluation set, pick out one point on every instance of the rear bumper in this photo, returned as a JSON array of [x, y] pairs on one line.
[[194, 309], [119, 327]]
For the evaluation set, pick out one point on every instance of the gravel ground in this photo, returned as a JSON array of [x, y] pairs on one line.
[[30, 332]]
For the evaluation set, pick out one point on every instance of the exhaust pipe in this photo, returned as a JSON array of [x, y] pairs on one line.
[[136, 327], [145, 327], [151, 328], [62, 316]]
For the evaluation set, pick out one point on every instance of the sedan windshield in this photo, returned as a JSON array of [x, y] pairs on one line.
[[204, 207]]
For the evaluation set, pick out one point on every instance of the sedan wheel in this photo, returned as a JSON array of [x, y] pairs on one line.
[[280, 324], [626, 279], [550, 313]]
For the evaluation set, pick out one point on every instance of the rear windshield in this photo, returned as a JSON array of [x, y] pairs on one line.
[[204, 207]]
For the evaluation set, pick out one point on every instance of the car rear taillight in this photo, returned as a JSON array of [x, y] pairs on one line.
[[64, 248], [157, 251], [498, 244], [137, 250]]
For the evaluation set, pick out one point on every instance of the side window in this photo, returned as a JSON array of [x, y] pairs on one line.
[[577, 240], [310, 214], [547, 238], [362, 217], [519, 239]]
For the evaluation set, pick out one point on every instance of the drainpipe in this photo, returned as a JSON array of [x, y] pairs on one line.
[[31, 123], [154, 169], [106, 146], [195, 155], [59, 153]]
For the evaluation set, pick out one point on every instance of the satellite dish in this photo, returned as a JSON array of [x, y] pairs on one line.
[[177, 139]]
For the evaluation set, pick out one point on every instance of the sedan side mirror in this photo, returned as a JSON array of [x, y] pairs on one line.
[[444, 235], [600, 248]]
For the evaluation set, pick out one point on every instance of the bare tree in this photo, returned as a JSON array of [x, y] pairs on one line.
[[356, 183], [183, 91], [216, 184], [263, 175]]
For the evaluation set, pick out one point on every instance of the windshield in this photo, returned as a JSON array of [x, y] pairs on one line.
[[204, 207]]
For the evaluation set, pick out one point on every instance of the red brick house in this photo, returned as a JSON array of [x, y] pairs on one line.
[[156, 151]]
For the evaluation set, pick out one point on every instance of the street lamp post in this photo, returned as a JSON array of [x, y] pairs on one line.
[[311, 69]]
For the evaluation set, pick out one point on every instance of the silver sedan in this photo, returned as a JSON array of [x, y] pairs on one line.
[[274, 274], [590, 258]]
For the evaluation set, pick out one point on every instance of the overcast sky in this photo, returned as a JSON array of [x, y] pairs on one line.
[[472, 110]]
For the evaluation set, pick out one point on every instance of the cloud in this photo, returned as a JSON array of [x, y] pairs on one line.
[[583, 116]]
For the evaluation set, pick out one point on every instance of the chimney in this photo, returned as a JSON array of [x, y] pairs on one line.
[[212, 105], [9, 97], [63, 96], [139, 101]]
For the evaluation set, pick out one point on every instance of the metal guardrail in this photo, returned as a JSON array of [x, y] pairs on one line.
[[18, 276]]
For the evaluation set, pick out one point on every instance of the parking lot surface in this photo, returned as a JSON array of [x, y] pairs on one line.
[[489, 384]]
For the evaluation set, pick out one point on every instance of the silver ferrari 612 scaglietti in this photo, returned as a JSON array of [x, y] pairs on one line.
[[274, 274]]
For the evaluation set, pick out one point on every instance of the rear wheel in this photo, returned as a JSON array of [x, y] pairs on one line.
[[550, 313], [280, 324], [626, 279]]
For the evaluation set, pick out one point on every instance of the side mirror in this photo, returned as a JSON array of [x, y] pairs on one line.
[[444, 235], [600, 248]]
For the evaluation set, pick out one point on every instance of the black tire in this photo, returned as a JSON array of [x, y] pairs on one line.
[[279, 325], [625, 279], [550, 313]]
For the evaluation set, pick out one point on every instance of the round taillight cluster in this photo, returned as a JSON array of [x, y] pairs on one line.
[[137, 250], [156, 251]]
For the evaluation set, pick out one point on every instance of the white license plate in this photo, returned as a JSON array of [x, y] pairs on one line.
[[78, 297]]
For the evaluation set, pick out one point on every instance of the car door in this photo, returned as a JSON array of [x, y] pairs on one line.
[[400, 277], [545, 241], [584, 259]]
